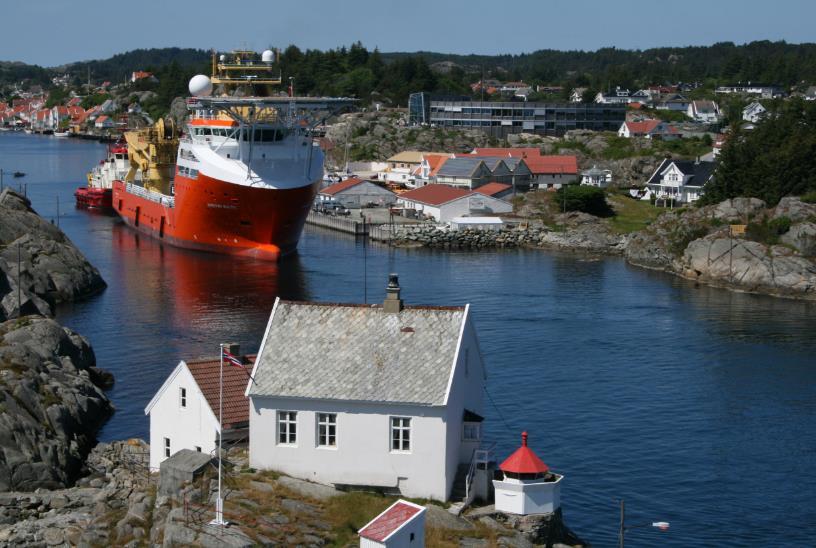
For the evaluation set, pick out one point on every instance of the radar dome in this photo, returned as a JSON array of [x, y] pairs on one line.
[[200, 86], [268, 56]]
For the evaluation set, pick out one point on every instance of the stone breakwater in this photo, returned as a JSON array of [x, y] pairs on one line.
[[580, 232]]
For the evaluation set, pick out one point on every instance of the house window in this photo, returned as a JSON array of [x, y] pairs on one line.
[[400, 434], [183, 397], [471, 431], [287, 427], [327, 430], [166, 447]]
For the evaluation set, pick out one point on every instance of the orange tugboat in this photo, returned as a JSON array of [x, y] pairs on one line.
[[242, 178]]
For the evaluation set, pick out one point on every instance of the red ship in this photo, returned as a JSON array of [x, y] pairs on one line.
[[242, 178]]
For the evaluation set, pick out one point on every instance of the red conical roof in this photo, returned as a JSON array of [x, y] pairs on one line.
[[524, 460]]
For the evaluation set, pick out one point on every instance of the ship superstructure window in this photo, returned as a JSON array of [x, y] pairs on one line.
[[287, 427], [400, 434], [327, 429]]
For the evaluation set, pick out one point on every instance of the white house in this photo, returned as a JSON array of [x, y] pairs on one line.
[[754, 112], [595, 176], [442, 203], [400, 168], [184, 412], [680, 181], [401, 525], [577, 95], [362, 395], [704, 111]]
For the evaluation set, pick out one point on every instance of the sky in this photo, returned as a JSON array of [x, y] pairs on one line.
[[54, 32]]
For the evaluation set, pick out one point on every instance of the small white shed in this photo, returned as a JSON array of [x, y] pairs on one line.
[[401, 525], [476, 223]]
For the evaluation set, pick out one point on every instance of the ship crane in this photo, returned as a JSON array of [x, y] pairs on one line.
[[152, 151]]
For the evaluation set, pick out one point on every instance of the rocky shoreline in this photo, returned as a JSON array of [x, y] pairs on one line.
[[694, 243]]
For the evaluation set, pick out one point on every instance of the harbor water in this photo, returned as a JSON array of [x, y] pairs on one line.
[[695, 405]]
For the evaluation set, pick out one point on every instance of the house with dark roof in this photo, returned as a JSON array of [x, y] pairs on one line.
[[680, 181], [386, 396], [545, 171], [355, 192], [443, 203], [184, 411], [674, 102], [704, 111]]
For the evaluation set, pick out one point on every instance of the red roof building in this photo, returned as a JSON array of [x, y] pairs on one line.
[[341, 186], [524, 461], [401, 524], [540, 165], [235, 404], [434, 194], [493, 189]]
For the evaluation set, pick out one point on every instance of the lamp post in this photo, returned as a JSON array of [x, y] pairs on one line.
[[660, 525]]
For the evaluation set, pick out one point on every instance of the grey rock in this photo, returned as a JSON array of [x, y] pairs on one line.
[[795, 210], [802, 236], [307, 488]]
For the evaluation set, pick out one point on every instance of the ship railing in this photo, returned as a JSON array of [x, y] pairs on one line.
[[159, 198]]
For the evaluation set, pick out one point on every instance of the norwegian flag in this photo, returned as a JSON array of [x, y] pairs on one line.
[[232, 359]]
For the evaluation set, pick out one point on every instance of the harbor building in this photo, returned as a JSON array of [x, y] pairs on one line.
[[442, 203], [500, 119], [355, 193], [385, 396], [184, 411]]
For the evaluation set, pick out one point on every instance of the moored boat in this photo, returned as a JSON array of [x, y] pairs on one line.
[[242, 178], [98, 193]]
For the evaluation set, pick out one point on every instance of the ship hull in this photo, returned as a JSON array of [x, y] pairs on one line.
[[216, 216], [95, 198]]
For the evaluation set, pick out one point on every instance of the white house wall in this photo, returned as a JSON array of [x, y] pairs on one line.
[[363, 453], [472, 204], [189, 427], [466, 392]]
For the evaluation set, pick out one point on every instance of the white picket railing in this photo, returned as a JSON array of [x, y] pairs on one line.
[[159, 198]]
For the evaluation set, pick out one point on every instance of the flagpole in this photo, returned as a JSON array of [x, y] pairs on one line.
[[219, 503]]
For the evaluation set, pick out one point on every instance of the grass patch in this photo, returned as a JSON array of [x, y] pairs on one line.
[[568, 144], [631, 215], [349, 512], [618, 148]]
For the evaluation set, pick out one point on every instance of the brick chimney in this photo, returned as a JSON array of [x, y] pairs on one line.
[[392, 303], [233, 348]]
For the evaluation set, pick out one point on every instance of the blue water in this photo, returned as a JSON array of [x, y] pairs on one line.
[[695, 405]]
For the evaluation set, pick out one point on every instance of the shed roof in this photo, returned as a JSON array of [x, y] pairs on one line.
[[331, 190], [393, 518], [235, 404], [408, 156], [492, 188], [358, 353]]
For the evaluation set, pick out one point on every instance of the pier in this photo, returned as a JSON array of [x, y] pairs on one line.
[[341, 224]]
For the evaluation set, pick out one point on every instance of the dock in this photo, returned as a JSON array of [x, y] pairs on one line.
[[340, 224]]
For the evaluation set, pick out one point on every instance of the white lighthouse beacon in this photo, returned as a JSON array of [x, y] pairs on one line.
[[528, 486]]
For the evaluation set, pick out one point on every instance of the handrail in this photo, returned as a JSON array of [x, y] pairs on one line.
[[167, 201], [475, 459]]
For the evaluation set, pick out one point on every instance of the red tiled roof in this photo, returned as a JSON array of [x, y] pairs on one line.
[[524, 460], [341, 186], [236, 405], [434, 194], [389, 521], [635, 106], [552, 164], [492, 188], [435, 161], [644, 127]]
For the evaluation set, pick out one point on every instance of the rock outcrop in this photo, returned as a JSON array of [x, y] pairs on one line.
[[51, 269], [697, 244], [51, 404]]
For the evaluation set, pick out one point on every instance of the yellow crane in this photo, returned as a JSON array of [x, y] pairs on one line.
[[152, 151]]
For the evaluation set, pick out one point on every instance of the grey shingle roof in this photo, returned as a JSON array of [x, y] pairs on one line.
[[700, 172], [359, 353], [459, 167]]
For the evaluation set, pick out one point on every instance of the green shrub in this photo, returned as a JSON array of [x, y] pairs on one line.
[[588, 199], [768, 231], [809, 198]]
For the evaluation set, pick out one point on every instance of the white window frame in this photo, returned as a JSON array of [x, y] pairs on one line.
[[478, 428], [398, 426], [167, 447], [287, 428], [182, 397], [326, 430]]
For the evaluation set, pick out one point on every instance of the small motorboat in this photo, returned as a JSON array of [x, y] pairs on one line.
[[61, 134], [19, 174]]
